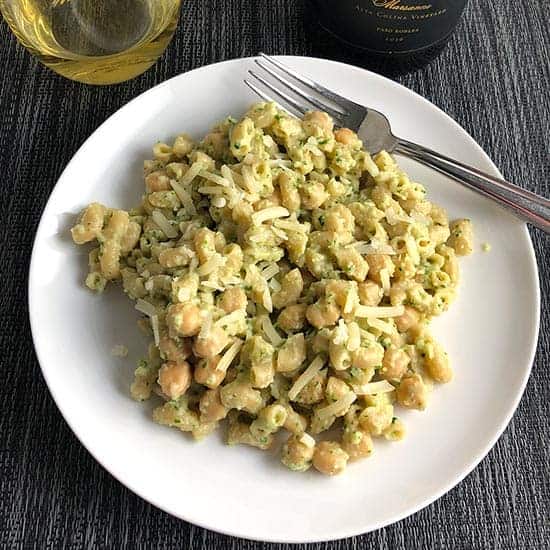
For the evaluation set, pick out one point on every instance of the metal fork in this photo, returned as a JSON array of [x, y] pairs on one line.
[[298, 94]]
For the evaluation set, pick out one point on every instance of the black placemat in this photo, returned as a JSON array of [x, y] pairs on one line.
[[494, 79]]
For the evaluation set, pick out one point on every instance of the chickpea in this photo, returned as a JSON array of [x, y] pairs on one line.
[[376, 419], [321, 341], [412, 393], [345, 136], [183, 320], [314, 391], [370, 294], [438, 365], [408, 320], [233, 299], [212, 344], [205, 244], [292, 353], [322, 314], [377, 262], [290, 197], [292, 317], [369, 357], [357, 443], [329, 458], [394, 365], [292, 285], [207, 373], [174, 351], [336, 389], [318, 124], [174, 379], [297, 455], [352, 263], [211, 407]]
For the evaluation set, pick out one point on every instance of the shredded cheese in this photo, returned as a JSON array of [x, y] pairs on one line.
[[191, 174], [271, 332], [231, 318], [354, 337], [271, 213], [160, 219], [184, 197], [385, 280], [214, 178], [382, 326], [373, 248], [338, 408], [373, 388], [229, 355], [314, 368], [155, 327], [145, 307], [378, 312], [214, 262]]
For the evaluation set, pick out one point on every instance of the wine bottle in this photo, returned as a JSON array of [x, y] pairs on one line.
[[405, 33]]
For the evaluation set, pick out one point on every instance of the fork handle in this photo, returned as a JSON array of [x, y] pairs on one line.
[[526, 205]]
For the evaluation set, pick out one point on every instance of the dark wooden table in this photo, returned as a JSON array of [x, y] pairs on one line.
[[494, 79]]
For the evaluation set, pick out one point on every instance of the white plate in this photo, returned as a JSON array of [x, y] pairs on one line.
[[490, 333]]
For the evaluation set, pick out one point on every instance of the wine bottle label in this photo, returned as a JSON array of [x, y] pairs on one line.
[[388, 26]]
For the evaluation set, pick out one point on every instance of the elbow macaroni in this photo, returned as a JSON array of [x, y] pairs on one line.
[[289, 279]]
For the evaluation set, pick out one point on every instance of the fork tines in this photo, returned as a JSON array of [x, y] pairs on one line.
[[298, 94]]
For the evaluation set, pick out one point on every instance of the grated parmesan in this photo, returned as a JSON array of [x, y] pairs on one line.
[[160, 219], [314, 368], [385, 280], [155, 327], [271, 213], [373, 388], [184, 197], [271, 332], [229, 355], [379, 312], [339, 407], [145, 307]]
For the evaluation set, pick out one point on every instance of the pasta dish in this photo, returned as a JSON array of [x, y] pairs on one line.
[[287, 280]]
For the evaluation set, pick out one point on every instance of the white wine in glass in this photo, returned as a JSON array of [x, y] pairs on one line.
[[94, 41]]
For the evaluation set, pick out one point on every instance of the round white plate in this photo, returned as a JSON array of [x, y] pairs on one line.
[[490, 332]]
